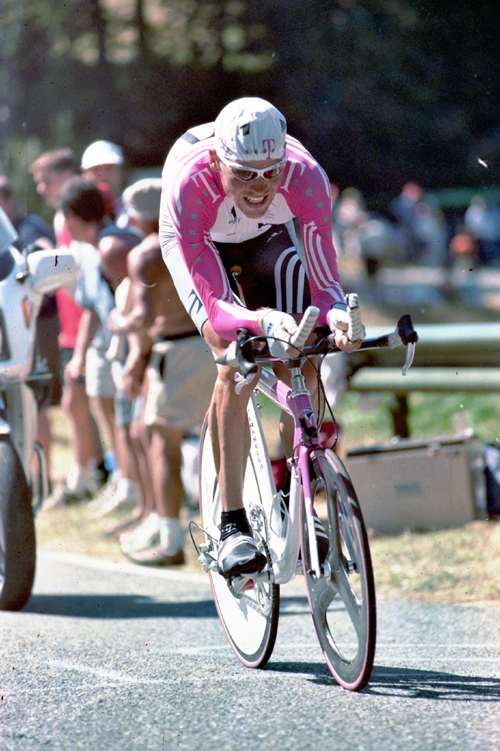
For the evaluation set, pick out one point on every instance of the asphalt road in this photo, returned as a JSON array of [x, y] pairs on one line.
[[111, 656]]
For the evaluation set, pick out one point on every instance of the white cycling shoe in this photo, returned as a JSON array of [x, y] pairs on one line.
[[238, 554]]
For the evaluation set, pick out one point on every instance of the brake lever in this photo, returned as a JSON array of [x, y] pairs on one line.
[[409, 337], [410, 353]]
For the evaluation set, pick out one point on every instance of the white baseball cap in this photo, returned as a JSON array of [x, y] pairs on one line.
[[250, 129], [101, 152]]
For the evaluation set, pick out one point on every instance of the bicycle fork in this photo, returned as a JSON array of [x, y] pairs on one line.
[[306, 441]]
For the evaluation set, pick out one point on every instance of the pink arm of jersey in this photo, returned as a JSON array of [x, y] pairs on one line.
[[307, 190], [193, 211], [212, 285]]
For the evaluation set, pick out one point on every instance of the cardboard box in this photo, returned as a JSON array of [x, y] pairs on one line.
[[419, 485]]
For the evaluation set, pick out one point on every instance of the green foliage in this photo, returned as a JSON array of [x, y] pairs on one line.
[[367, 419], [380, 92], [433, 414]]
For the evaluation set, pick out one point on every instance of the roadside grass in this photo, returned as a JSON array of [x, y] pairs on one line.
[[456, 566]]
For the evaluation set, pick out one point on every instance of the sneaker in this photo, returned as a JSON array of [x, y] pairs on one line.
[[146, 535], [123, 497], [238, 554], [105, 493], [158, 555], [62, 496]]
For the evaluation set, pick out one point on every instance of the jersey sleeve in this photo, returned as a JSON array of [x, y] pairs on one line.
[[307, 191], [191, 197]]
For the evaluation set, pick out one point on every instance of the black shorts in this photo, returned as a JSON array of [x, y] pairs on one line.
[[266, 272]]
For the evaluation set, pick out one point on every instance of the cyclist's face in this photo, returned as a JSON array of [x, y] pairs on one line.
[[254, 197]]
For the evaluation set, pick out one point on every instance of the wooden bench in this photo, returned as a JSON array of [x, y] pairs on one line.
[[448, 358]]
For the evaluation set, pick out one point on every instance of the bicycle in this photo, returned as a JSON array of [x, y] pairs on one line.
[[340, 589]]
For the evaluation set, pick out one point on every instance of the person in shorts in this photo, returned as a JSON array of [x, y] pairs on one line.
[[101, 252], [87, 471], [174, 370]]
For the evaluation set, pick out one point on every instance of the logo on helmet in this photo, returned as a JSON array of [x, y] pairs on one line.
[[268, 144]]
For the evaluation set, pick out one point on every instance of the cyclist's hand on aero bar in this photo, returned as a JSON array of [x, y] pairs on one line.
[[278, 327], [344, 320]]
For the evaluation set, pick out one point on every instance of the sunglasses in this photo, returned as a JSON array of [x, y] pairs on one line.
[[246, 174]]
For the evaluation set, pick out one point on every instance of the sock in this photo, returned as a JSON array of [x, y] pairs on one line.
[[78, 479], [171, 534], [126, 489], [234, 521]]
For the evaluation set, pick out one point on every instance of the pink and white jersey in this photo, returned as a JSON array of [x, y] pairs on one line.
[[195, 205]]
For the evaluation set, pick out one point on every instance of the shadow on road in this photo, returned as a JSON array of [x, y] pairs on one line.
[[294, 605], [404, 682], [431, 684], [118, 606]]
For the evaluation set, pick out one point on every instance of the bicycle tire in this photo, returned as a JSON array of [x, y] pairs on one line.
[[251, 631], [342, 601], [17, 531]]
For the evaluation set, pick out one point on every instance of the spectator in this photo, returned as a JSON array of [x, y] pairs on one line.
[[177, 384], [132, 479], [463, 247], [349, 214], [135, 458], [377, 245], [102, 267], [29, 228], [431, 234], [102, 161], [51, 170], [482, 219], [402, 209]]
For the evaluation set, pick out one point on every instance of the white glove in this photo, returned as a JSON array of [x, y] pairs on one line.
[[347, 320], [281, 326]]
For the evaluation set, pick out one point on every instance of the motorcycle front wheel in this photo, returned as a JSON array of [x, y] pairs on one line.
[[17, 531]]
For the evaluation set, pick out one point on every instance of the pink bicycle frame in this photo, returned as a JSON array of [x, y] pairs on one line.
[[297, 403]]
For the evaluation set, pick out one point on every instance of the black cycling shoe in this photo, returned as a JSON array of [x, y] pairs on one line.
[[238, 554]]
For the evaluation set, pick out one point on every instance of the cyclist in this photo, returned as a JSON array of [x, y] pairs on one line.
[[234, 194]]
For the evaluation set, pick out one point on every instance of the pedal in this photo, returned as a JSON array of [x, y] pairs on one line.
[[207, 562], [241, 584]]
